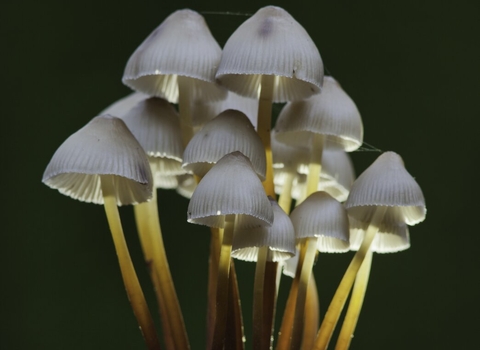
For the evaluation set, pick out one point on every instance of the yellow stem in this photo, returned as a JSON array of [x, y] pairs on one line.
[[286, 328], [355, 304], [310, 248], [312, 315], [258, 287], [215, 246], [264, 125], [336, 305], [234, 338], [221, 295], [130, 279], [285, 198], [315, 166], [148, 224]]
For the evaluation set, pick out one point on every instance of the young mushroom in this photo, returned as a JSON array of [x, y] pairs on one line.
[[384, 194], [103, 163], [230, 193], [177, 61]]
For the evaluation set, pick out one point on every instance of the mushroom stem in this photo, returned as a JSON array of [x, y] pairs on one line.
[[355, 304], [315, 166], [309, 246], [234, 338], [215, 245], [148, 225], [338, 301], [264, 124], [221, 295], [312, 315], [285, 198], [285, 334], [130, 279], [258, 294], [185, 109]]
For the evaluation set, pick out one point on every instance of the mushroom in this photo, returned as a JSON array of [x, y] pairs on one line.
[[229, 194], [103, 163], [154, 122], [384, 194], [177, 61]]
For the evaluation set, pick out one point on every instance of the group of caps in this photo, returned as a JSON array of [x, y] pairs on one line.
[[138, 140]]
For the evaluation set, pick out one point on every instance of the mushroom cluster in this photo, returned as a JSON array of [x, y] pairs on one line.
[[199, 120]]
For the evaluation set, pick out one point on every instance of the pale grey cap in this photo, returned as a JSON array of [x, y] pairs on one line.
[[155, 124], [230, 187], [389, 238], [122, 106], [271, 42], [186, 185], [322, 216], [387, 183], [204, 111], [290, 265], [332, 114], [105, 146], [279, 238], [181, 46], [230, 131]]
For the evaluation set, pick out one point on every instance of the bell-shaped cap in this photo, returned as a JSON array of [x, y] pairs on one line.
[[230, 187], [322, 216], [181, 46], [389, 238], [271, 42], [104, 146], [287, 157], [279, 238], [186, 185], [387, 183], [332, 114], [204, 111], [155, 124], [290, 265], [122, 106], [230, 131]]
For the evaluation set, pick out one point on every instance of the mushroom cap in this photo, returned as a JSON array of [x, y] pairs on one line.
[[122, 106], [203, 111], [230, 187], [320, 215], [230, 131], [154, 123], [290, 265], [287, 157], [331, 113], [271, 42], [386, 182], [389, 238], [279, 238], [336, 177], [186, 185], [104, 146], [181, 45]]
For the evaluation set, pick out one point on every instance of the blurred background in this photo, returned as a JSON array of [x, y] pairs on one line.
[[412, 67]]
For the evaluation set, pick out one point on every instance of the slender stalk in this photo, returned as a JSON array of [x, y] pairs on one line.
[[234, 338], [258, 294], [355, 304], [263, 316], [221, 305], [315, 165], [312, 315], [148, 224], [336, 305], [215, 245], [310, 247], [185, 109], [270, 293], [130, 279], [264, 125], [285, 198], [285, 334]]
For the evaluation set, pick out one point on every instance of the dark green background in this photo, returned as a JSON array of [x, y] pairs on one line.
[[412, 68]]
